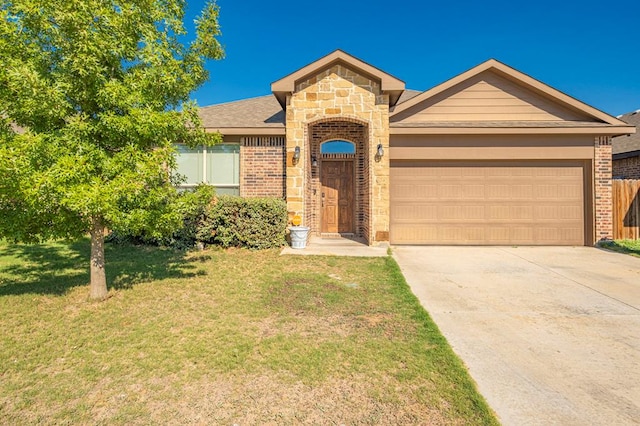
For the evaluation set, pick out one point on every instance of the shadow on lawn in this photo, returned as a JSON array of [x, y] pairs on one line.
[[56, 268]]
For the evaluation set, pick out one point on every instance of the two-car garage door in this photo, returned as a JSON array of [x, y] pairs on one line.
[[482, 202]]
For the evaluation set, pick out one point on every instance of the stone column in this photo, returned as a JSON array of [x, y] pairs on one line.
[[295, 169], [380, 173]]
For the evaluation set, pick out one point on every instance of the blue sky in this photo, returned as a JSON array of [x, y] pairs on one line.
[[587, 49]]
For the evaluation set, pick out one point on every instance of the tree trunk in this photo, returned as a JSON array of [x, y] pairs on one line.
[[98, 286]]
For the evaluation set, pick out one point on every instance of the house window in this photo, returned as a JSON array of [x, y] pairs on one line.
[[217, 165], [337, 147]]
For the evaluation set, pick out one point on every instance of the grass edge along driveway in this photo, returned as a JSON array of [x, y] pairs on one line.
[[631, 247], [223, 337]]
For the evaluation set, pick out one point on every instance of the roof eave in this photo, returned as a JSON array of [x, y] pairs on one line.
[[600, 131], [628, 154], [282, 98], [248, 131]]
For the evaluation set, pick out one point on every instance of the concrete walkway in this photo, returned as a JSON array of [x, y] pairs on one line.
[[550, 334], [338, 247]]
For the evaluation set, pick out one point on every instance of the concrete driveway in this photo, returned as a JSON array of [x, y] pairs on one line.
[[551, 335]]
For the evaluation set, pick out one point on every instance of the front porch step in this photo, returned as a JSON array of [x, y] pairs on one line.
[[349, 235]]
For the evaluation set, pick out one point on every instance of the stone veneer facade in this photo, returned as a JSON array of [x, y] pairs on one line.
[[603, 196], [341, 96]]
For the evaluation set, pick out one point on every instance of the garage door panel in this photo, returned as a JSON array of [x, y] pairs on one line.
[[559, 173], [510, 213], [560, 213], [475, 192], [415, 234], [570, 191], [510, 172], [483, 234], [521, 233], [455, 233], [465, 212], [477, 203], [552, 234], [501, 192], [412, 192]]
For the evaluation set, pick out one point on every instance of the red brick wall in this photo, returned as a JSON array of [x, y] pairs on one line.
[[627, 168], [340, 128], [603, 198], [262, 167]]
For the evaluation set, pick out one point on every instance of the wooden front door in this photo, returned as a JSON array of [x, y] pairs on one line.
[[337, 196]]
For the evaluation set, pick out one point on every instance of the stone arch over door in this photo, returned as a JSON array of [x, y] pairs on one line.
[[350, 130]]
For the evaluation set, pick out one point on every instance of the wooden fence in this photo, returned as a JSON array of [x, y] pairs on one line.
[[626, 209]]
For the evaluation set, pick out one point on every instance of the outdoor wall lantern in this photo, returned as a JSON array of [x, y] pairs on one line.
[[296, 155], [379, 152], [314, 161]]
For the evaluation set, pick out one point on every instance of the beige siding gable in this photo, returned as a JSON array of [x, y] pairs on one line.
[[488, 96]]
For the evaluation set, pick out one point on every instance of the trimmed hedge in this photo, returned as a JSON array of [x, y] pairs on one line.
[[256, 223], [228, 221]]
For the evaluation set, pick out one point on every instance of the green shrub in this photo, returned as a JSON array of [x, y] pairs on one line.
[[256, 223], [228, 221], [189, 206], [193, 206]]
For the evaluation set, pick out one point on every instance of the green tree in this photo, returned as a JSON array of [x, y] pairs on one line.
[[93, 95]]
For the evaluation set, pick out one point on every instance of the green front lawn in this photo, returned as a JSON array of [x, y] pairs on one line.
[[221, 337]]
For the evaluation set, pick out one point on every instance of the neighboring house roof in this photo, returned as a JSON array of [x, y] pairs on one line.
[[389, 84], [628, 145]]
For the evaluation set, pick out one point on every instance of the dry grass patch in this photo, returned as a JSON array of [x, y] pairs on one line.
[[221, 337], [269, 400]]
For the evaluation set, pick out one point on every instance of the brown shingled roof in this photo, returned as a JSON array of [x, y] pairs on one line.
[[263, 111], [407, 94], [260, 112], [627, 146]]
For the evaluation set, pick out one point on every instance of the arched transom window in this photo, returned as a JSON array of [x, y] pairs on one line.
[[337, 147]]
